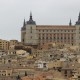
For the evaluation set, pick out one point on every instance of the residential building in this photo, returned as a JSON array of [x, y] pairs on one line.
[[4, 44]]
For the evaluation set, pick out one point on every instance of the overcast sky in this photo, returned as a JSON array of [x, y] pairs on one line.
[[45, 12]]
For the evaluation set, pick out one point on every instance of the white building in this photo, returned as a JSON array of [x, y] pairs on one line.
[[41, 64]]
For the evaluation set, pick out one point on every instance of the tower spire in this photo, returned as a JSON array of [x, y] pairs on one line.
[[30, 15], [78, 22], [79, 16], [70, 23], [31, 21], [24, 22]]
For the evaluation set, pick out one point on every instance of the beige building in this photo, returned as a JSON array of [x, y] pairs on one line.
[[13, 42], [55, 64], [12, 45], [4, 44], [32, 34], [9, 45], [5, 72]]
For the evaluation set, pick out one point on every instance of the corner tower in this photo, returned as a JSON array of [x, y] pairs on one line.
[[29, 32], [77, 38]]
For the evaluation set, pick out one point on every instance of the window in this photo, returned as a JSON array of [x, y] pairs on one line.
[[54, 38], [50, 37], [31, 29], [46, 37], [9, 74], [42, 34], [39, 37], [57, 37], [61, 38], [43, 38], [50, 30], [58, 30], [31, 37], [65, 72], [78, 76], [9, 61], [61, 30], [72, 37], [68, 38], [23, 40], [44, 64], [64, 37]]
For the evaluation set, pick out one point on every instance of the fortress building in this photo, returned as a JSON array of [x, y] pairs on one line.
[[32, 34]]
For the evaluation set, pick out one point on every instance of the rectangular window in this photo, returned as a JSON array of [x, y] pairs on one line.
[[31, 29], [50, 30], [31, 37]]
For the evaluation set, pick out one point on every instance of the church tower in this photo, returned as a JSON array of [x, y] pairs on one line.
[[77, 38], [29, 33]]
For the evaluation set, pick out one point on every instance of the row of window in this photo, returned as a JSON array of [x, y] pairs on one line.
[[50, 38], [56, 38], [56, 34], [56, 30], [44, 43], [4, 74], [3, 42], [2, 71]]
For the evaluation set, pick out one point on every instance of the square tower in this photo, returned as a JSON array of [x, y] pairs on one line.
[[29, 34]]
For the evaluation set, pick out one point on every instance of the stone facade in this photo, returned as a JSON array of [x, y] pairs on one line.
[[32, 34]]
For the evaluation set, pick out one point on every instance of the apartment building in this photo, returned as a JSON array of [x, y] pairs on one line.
[[4, 44]]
